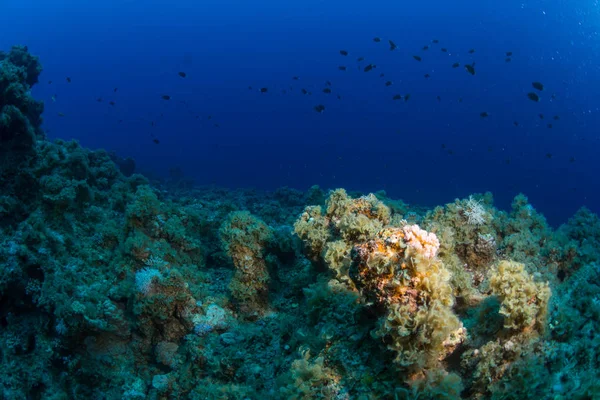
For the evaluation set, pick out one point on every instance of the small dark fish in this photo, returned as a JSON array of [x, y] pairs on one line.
[[435, 41], [68, 79], [444, 50], [343, 52], [156, 141], [533, 96], [120, 121], [99, 99], [507, 59], [549, 126], [166, 97], [249, 87], [61, 114], [417, 58], [438, 98], [283, 91], [112, 103], [397, 97], [369, 67], [538, 85], [376, 39], [455, 65], [295, 78], [339, 97], [182, 74], [427, 76], [484, 115], [49, 82], [216, 125], [115, 89], [264, 90], [319, 108], [381, 75], [359, 59], [328, 83], [151, 123], [471, 51], [470, 68], [425, 47], [209, 117], [451, 152], [541, 116], [327, 90], [443, 145], [548, 155], [392, 45], [406, 97], [304, 91], [572, 159], [556, 118], [342, 68], [509, 53], [553, 95], [460, 99], [516, 123], [389, 83]]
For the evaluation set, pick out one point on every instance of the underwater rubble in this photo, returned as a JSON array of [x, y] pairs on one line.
[[115, 287]]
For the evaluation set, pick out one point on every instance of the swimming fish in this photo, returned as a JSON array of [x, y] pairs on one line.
[[455, 65], [425, 47], [68, 79], [166, 97], [484, 115], [533, 96], [319, 108], [471, 51], [304, 91], [112, 103], [61, 114], [435, 41], [264, 90], [343, 52], [376, 39], [388, 83], [470, 68], [359, 59], [295, 78], [397, 97], [509, 53], [427, 76], [538, 85], [507, 59], [417, 58], [369, 67], [392, 45], [327, 90], [156, 141], [556, 117], [342, 67], [444, 50], [182, 74]]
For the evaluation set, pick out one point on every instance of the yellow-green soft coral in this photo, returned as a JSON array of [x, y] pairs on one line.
[[347, 221], [244, 238], [400, 273], [524, 302]]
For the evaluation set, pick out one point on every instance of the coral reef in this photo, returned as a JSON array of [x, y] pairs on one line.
[[115, 287]]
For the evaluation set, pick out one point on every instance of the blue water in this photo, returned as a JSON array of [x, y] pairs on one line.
[[365, 140]]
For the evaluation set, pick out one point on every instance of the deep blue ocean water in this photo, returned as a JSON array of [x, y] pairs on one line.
[[425, 150]]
